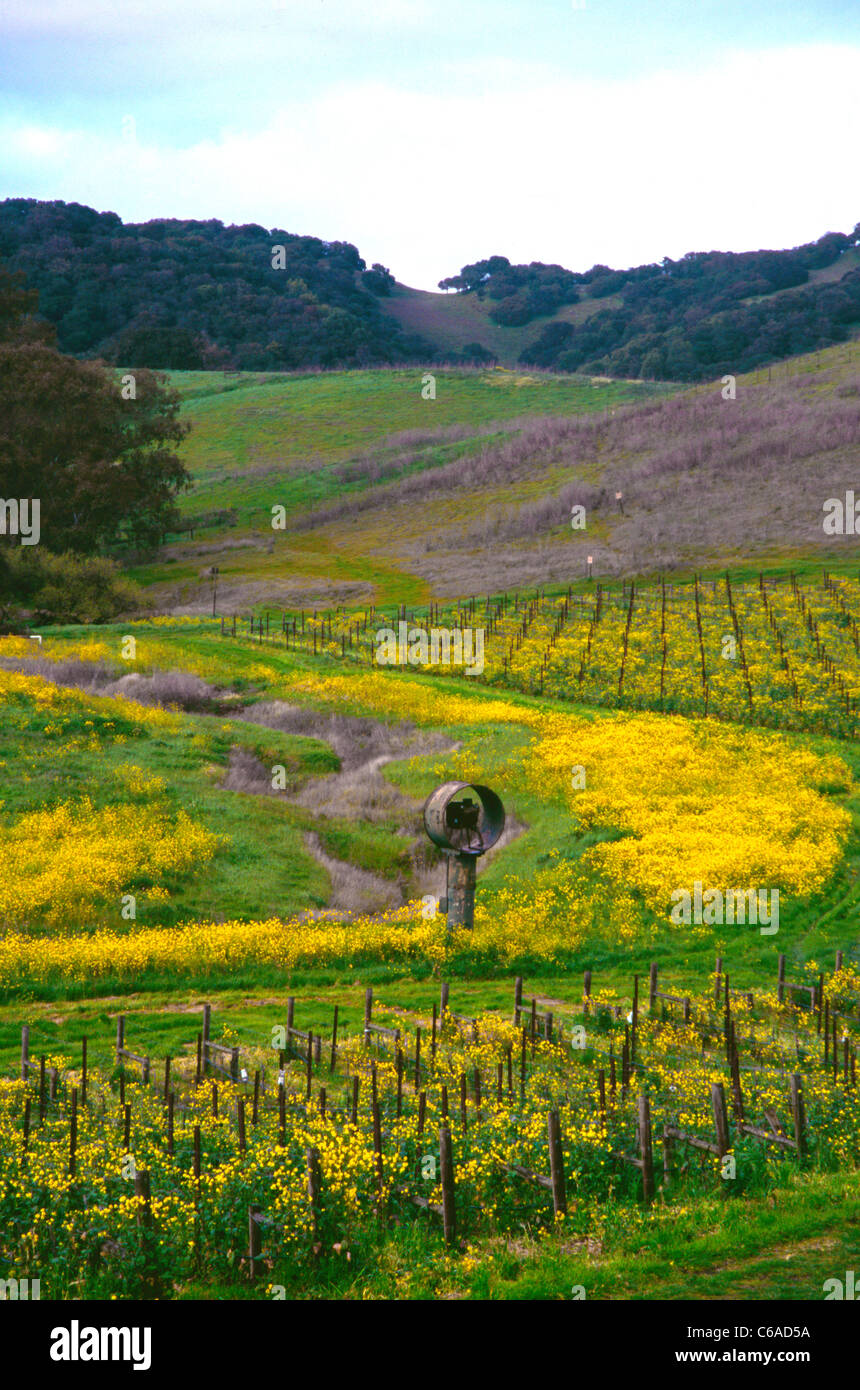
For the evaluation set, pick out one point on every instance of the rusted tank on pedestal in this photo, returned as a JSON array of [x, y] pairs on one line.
[[465, 820]]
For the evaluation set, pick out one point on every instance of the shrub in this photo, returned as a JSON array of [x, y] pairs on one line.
[[44, 588]]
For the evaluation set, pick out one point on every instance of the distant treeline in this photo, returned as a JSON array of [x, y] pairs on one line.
[[171, 294], [695, 318], [183, 294]]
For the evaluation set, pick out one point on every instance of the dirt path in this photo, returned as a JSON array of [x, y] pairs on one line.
[[358, 792]]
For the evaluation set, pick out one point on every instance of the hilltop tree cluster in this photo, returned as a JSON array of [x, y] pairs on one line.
[[184, 295], [520, 293], [684, 320]]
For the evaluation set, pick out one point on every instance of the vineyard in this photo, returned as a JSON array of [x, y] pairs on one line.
[[332, 1125], [782, 653], [267, 1162]]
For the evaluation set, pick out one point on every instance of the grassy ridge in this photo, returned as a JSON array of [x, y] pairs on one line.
[[256, 434], [392, 498]]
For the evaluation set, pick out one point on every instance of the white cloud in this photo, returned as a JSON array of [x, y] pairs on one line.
[[755, 150], [103, 17]]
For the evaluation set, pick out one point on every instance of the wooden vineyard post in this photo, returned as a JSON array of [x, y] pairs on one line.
[[83, 1071], [312, 1160], [586, 992], [368, 1010], [444, 994], [780, 979], [721, 1119], [333, 1041], [737, 1093], [147, 1225], [446, 1163], [198, 1071], [798, 1114], [282, 1116], [126, 1129], [668, 1154], [255, 1241], [73, 1132], [646, 1149], [825, 1028], [433, 1037], [556, 1164], [377, 1148], [166, 1079], [196, 1163], [652, 986], [518, 999], [142, 1190], [207, 1023], [120, 1035], [417, 1058]]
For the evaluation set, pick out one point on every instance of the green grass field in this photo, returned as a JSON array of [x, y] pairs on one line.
[[257, 435], [101, 801]]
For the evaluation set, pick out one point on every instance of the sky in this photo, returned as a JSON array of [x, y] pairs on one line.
[[433, 133]]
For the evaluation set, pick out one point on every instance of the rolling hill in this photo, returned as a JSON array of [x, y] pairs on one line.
[[393, 498], [184, 295]]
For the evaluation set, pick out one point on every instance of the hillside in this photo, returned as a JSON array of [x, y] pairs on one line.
[[393, 498], [691, 319], [458, 321], [187, 295], [342, 452]]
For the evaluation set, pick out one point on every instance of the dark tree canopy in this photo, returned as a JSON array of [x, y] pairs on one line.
[[100, 456], [184, 294], [686, 320]]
